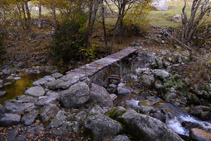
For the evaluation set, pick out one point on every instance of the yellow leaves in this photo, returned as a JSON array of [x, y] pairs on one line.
[[209, 60]]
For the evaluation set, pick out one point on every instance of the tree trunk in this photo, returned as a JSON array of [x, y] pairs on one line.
[[104, 29], [190, 27], [53, 14], [121, 21], [40, 15], [28, 15], [92, 18], [24, 16], [4, 16]]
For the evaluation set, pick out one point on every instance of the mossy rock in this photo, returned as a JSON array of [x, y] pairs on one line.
[[115, 112]]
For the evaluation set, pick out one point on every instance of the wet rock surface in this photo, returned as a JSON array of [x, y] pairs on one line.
[[147, 128], [200, 135]]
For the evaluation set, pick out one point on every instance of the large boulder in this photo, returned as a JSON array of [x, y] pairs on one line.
[[15, 108], [58, 119], [52, 84], [189, 125], [9, 119], [100, 96], [27, 98], [48, 111], [159, 6], [101, 126], [143, 60], [29, 118], [199, 135], [59, 125], [203, 112], [53, 99], [75, 96], [146, 128], [35, 91]]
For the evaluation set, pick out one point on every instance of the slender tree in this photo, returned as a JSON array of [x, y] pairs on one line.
[[200, 11], [40, 15]]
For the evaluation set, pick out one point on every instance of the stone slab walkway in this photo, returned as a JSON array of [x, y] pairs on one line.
[[93, 67]]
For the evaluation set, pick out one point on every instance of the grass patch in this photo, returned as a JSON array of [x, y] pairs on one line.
[[164, 18]]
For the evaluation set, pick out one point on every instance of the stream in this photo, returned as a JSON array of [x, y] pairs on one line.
[[176, 115], [18, 87]]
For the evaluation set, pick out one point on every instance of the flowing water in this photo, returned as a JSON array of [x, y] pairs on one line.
[[175, 123], [178, 116], [18, 87]]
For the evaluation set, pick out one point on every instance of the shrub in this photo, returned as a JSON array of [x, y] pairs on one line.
[[68, 40], [135, 21]]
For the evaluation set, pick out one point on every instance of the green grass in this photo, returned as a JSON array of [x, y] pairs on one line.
[[163, 18]]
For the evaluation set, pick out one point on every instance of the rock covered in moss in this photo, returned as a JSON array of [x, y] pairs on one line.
[[101, 126]]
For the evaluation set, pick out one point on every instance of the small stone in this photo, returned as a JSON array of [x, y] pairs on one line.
[[10, 78], [1, 82], [177, 18], [63, 85], [49, 78], [57, 75], [123, 91], [6, 71], [35, 91], [17, 78], [113, 96], [8, 83], [39, 82], [2, 93], [121, 138]]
